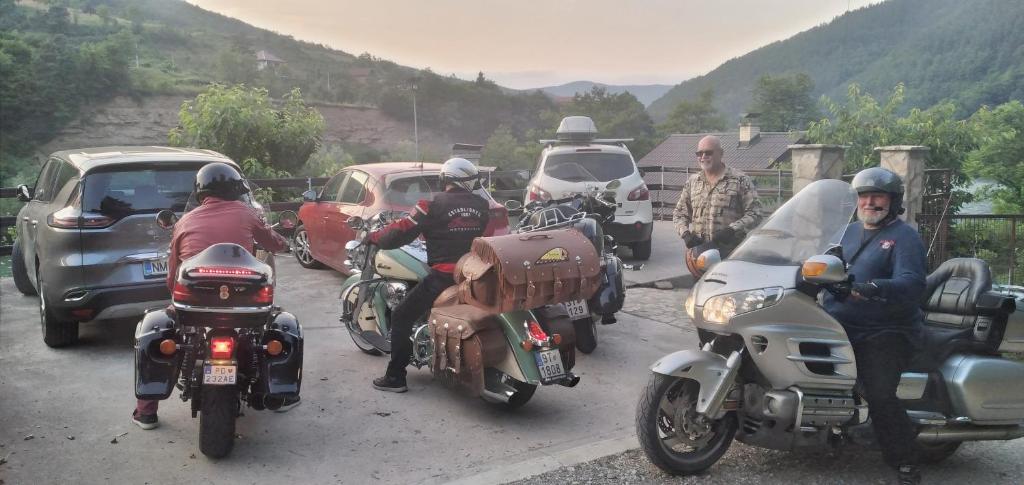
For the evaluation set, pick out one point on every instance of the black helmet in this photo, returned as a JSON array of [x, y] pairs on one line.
[[877, 179], [220, 180]]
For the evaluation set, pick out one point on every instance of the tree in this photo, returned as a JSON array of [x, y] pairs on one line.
[[1000, 154], [696, 116], [785, 102], [242, 123], [505, 151]]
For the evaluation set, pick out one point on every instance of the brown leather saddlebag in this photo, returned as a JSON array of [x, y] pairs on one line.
[[526, 271], [466, 339]]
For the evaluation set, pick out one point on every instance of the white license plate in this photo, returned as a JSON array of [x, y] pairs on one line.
[[154, 268], [549, 363], [577, 309], [219, 374]]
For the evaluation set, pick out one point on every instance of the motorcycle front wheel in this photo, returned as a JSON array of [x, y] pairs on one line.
[[217, 412], [673, 436]]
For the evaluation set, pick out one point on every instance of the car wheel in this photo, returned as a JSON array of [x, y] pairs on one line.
[[641, 250], [300, 247], [56, 332], [21, 280]]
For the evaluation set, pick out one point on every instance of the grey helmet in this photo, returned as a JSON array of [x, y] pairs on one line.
[[461, 172], [877, 179]]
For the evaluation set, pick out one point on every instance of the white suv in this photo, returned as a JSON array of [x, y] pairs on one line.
[[577, 162]]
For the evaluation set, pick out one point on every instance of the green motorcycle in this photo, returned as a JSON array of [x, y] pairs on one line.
[[538, 342]]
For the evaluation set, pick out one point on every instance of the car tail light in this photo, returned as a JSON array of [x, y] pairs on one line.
[[72, 217], [639, 193], [265, 295], [222, 271], [183, 294], [221, 348], [537, 193]]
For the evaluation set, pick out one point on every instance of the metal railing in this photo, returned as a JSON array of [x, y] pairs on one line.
[[994, 238], [666, 183]]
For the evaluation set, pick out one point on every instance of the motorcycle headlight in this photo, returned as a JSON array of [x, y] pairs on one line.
[[394, 293], [721, 308], [690, 305]]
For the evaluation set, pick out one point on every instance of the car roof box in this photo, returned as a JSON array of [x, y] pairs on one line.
[[576, 128]]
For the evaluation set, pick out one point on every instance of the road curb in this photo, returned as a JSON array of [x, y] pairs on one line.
[[536, 466]]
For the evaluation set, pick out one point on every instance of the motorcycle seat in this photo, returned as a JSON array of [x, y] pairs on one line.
[[951, 315]]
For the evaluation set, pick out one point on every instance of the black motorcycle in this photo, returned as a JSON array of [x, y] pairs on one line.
[[587, 213], [222, 342]]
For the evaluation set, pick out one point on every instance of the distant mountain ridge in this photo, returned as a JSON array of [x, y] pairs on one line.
[[645, 93], [969, 52]]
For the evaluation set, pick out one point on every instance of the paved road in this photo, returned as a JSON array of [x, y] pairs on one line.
[[343, 432], [666, 261]]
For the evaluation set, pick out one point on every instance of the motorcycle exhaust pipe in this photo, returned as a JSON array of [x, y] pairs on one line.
[[570, 380], [944, 434]]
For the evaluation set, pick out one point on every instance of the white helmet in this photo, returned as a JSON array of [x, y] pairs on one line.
[[461, 172]]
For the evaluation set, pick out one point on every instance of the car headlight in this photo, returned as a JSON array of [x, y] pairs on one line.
[[721, 308], [394, 293], [690, 305]]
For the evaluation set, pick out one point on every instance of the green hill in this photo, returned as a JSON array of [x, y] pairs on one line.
[[969, 52], [58, 57]]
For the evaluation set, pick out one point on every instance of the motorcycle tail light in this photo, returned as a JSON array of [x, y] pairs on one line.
[[183, 294], [536, 332], [265, 295], [221, 271], [221, 348], [639, 193], [556, 339]]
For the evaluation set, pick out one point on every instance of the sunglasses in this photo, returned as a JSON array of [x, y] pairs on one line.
[[701, 153]]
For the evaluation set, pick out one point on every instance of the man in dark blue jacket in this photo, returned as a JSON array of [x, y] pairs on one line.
[[881, 315]]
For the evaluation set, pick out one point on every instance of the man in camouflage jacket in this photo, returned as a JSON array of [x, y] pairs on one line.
[[719, 205]]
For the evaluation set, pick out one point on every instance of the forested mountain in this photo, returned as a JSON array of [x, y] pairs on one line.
[[58, 57], [969, 52], [645, 93]]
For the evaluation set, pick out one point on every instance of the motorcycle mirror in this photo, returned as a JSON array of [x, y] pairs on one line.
[[823, 269], [513, 205], [349, 246], [309, 196], [355, 222], [288, 219], [24, 193], [708, 258], [166, 219]]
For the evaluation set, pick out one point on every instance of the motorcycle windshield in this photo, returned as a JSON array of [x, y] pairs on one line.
[[807, 225]]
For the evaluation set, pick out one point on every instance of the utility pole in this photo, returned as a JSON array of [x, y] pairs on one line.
[[415, 122], [328, 79]]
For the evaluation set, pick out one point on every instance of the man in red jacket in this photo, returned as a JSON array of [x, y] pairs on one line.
[[220, 218], [449, 223]]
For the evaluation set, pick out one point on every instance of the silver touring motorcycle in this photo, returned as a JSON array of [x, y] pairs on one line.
[[776, 371]]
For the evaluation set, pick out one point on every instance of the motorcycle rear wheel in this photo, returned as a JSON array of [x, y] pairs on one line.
[[586, 334], [660, 434], [217, 413]]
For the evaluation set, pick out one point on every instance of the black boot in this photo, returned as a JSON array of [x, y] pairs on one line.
[[390, 384]]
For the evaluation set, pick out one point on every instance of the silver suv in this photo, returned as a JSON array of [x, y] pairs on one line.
[[88, 242]]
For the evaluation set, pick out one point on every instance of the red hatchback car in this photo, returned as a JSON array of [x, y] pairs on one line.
[[365, 190]]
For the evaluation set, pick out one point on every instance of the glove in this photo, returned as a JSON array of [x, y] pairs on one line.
[[724, 235], [704, 246], [691, 240], [867, 290]]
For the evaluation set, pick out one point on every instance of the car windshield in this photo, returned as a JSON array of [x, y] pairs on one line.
[[600, 166], [124, 192], [410, 189], [807, 225]]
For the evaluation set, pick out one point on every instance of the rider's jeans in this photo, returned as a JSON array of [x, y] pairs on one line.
[[880, 362], [411, 309]]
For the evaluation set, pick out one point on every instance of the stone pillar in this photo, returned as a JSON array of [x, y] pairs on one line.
[[816, 162], [909, 163]]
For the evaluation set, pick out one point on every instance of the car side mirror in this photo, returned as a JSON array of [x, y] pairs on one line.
[[309, 196], [24, 193], [166, 219], [823, 269]]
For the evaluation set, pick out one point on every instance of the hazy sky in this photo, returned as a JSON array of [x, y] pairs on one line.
[[533, 43]]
